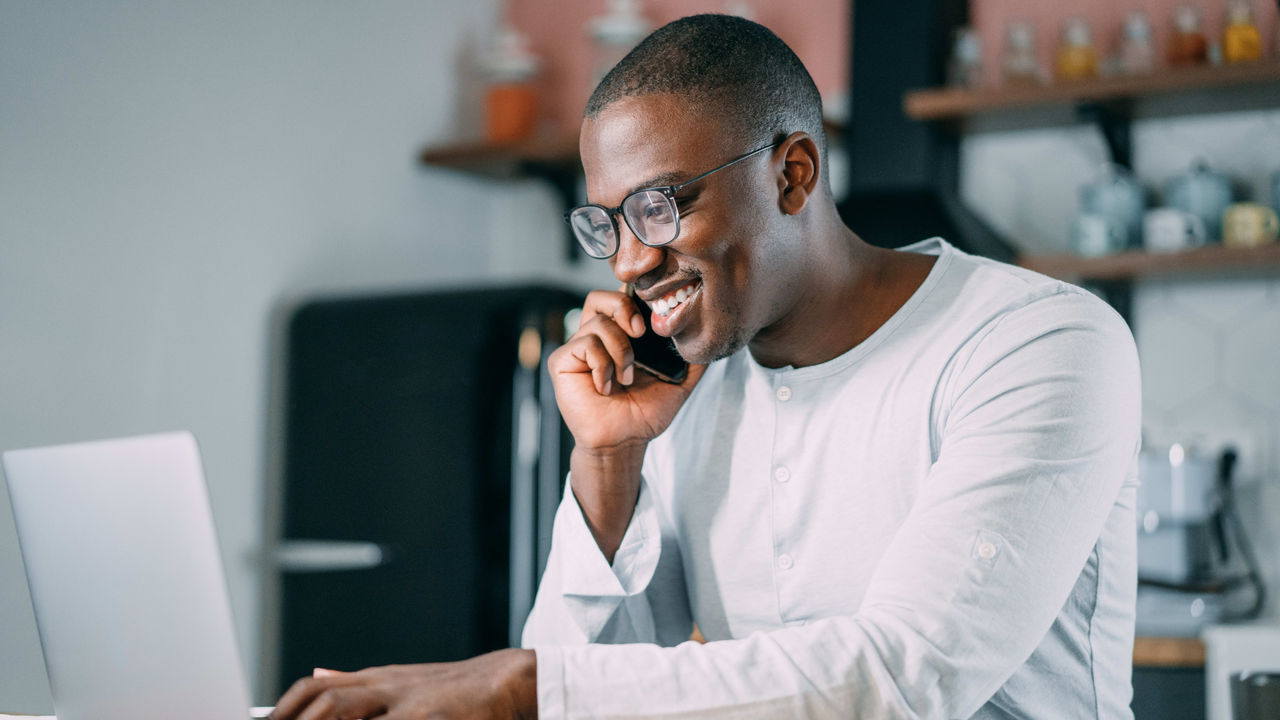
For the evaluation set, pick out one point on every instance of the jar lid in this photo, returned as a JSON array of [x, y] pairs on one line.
[[622, 25], [1077, 33], [1187, 19], [510, 58]]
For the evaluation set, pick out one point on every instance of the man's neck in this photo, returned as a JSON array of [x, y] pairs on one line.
[[850, 291]]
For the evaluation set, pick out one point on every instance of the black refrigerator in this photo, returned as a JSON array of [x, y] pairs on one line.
[[423, 460]]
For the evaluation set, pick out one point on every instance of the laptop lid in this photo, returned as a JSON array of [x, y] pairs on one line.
[[128, 589]]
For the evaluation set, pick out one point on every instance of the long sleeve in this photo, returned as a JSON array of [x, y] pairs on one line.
[[583, 599], [1035, 452]]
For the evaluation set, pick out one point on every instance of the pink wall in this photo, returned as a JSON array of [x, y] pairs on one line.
[[817, 30], [1106, 19]]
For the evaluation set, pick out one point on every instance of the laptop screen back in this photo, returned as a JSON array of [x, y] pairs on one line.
[[128, 589]]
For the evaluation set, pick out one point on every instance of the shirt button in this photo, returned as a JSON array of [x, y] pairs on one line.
[[784, 393], [782, 474], [785, 562], [986, 551]]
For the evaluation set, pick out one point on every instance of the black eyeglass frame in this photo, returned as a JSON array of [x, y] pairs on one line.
[[667, 191]]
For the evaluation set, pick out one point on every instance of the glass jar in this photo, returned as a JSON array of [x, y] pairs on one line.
[[1187, 45], [1241, 40], [1020, 64], [1077, 60]]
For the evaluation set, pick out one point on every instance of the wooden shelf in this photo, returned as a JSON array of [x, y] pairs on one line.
[[953, 103], [1209, 261], [506, 160], [1168, 652]]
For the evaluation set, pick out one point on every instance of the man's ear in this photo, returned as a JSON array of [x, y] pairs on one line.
[[798, 176]]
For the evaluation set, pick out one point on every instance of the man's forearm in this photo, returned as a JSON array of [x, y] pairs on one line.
[[606, 485]]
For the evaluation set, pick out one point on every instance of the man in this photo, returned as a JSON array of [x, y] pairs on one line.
[[894, 483]]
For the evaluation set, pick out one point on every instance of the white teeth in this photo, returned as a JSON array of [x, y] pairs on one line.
[[664, 306]]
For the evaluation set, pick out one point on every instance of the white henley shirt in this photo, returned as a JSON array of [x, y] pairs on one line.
[[938, 523]]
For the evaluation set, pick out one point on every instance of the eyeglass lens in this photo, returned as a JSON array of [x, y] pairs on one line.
[[650, 214], [595, 231]]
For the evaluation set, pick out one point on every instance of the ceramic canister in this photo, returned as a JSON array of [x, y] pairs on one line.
[[1249, 225], [1203, 193], [1096, 235], [1116, 196]]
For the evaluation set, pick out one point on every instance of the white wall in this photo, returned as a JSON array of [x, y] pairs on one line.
[[169, 172]]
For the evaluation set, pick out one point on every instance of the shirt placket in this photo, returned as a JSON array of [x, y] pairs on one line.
[[782, 494]]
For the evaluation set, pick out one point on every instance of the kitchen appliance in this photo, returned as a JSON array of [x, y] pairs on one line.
[[1195, 563], [423, 461], [1203, 193], [1255, 695]]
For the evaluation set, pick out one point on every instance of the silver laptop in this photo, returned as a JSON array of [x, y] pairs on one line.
[[126, 581]]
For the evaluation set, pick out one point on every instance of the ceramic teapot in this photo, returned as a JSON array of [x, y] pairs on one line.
[[1203, 193]]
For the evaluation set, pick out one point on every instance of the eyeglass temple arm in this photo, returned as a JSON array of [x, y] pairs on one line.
[[681, 186]]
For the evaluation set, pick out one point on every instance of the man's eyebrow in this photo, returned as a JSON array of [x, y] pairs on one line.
[[667, 178]]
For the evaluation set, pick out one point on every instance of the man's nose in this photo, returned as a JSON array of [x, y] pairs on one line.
[[634, 259]]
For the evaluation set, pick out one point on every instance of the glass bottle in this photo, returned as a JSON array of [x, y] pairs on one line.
[[1241, 41], [1187, 46], [1077, 60], [511, 103], [615, 33], [1020, 64], [1137, 54], [964, 68]]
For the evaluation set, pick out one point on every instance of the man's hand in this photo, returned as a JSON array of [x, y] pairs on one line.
[[613, 410], [501, 684], [605, 400]]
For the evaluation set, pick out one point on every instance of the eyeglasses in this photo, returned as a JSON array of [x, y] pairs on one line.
[[651, 214]]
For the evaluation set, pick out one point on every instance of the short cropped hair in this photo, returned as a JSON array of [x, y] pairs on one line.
[[737, 68]]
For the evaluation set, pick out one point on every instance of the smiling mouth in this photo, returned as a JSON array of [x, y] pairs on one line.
[[672, 301]]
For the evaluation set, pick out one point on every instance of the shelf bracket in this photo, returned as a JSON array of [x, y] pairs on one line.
[[1114, 125], [563, 179]]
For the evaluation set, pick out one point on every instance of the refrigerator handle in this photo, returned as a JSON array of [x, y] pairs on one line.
[[525, 431], [315, 556]]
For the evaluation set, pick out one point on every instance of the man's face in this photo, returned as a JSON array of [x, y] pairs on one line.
[[722, 260]]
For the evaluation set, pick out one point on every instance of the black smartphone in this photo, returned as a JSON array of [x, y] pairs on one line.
[[655, 354]]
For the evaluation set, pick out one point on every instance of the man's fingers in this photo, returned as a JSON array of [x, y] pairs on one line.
[[616, 306], [591, 355], [296, 698], [325, 672], [616, 343], [304, 691], [346, 702]]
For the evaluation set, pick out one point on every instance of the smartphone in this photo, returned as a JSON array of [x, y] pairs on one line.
[[655, 354]]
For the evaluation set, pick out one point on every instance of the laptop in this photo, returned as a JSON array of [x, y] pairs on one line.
[[127, 585]]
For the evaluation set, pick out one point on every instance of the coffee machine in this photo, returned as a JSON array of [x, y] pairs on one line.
[[1195, 564]]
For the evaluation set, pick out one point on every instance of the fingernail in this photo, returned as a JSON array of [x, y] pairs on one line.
[[608, 386], [629, 375], [637, 324]]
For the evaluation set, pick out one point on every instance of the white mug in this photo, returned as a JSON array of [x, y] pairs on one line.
[[1170, 230]]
